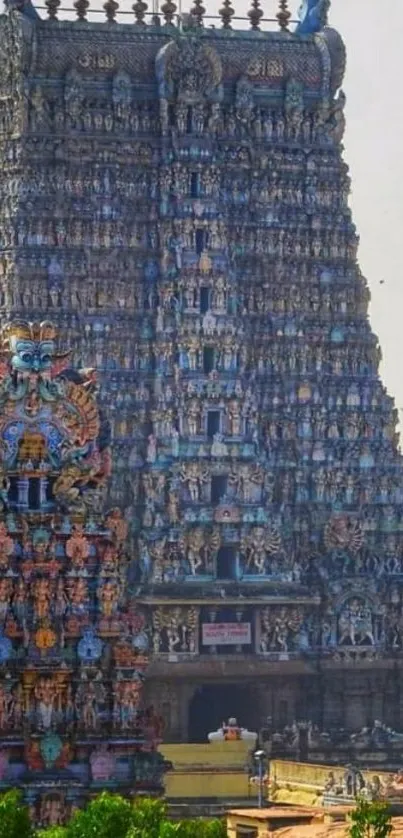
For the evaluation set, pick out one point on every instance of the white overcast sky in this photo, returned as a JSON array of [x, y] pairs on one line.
[[372, 30]]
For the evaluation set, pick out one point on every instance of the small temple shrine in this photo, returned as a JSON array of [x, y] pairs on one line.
[[73, 650]]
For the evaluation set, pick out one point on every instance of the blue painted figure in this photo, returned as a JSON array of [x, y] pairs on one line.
[[312, 16]]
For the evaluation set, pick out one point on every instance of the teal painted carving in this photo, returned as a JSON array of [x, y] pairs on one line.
[[51, 748]]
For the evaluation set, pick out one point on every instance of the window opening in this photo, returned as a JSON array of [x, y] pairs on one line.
[[218, 487], [213, 423], [194, 185], [200, 240], [34, 496], [171, 115], [226, 568], [12, 493], [205, 294], [208, 359]]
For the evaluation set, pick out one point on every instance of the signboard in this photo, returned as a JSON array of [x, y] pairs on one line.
[[226, 634]]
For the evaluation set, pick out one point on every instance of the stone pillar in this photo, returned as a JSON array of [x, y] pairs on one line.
[[163, 697], [264, 703], [333, 702], [378, 701], [286, 701], [390, 693], [357, 701]]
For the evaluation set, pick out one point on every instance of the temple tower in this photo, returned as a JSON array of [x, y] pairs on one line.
[[176, 198]]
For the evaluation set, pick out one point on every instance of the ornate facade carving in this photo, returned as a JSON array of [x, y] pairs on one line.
[[73, 649], [179, 205]]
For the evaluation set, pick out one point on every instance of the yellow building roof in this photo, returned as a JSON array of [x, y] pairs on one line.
[[272, 813]]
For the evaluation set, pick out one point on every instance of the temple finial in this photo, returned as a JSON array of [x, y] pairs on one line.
[[255, 14], [168, 9], [140, 8], [283, 15], [197, 11], [226, 12], [52, 7], [81, 7], [111, 7]]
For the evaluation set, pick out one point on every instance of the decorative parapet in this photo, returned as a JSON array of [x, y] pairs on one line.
[[171, 15]]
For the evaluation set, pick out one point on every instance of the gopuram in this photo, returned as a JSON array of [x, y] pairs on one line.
[[174, 198], [73, 647]]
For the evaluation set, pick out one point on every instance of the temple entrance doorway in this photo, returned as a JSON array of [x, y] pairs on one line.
[[212, 704]]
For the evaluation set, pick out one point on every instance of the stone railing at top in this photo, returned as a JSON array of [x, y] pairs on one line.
[[169, 13]]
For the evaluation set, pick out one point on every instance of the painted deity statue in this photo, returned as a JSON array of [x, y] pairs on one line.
[[54, 426]]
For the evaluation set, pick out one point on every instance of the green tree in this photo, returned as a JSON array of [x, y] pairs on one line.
[[198, 828], [214, 829], [149, 816], [14, 816], [111, 816], [52, 832], [107, 816], [370, 819]]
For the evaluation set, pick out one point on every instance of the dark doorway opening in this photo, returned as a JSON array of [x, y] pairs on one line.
[[200, 241], [194, 185], [208, 359], [226, 567], [213, 704], [213, 423], [12, 491], [34, 493], [205, 293], [218, 488], [49, 490]]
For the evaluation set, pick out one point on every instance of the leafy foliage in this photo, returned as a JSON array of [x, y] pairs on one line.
[[370, 820], [14, 817], [108, 816], [53, 832], [149, 817], [193, 829]]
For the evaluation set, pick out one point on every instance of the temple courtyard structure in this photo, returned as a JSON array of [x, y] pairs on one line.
[[211, 524]]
